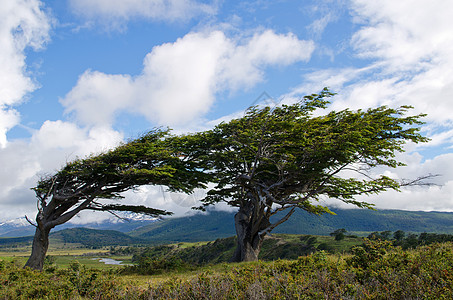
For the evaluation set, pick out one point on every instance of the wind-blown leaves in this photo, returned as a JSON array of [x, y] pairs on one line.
[[287, 157]]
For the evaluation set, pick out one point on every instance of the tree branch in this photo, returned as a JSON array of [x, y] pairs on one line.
[[262, 233], [68, 216], [31, 223]]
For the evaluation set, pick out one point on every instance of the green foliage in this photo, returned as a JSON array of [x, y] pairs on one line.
[[339, 234], [393, 274], [308, 239], [72, 283], [221, 250], [148, 266], [85, 184], [150, 159], [284, 158], [399, 235], [377, 271], [368, 254], [293, 157]]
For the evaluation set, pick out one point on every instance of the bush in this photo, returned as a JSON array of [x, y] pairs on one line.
[[74, 282], [375, 270], [148, 266]]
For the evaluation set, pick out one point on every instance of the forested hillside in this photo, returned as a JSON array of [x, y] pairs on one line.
[[202, 227]]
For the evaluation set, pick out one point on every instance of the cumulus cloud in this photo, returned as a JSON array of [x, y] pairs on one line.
[[179, 80], [23, 24], [8, 119], [410, 49], [116, 12], [436, 197], [50, 147], [407, 52]]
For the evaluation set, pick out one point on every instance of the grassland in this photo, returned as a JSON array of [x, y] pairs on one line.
[[374, 270], [352, 268]]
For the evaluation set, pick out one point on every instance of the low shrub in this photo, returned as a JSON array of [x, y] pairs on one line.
[[148, 266], [375, 270], [74, 282]]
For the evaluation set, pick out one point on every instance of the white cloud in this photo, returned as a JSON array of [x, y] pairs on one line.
[[317, 26], [244, 64], [407, 49], [116, 13], [410, 51], [437, 197], [413, 49], [50, 147], [405, 34], [97, 96], [23, 24], [8, 119], [180, 79]]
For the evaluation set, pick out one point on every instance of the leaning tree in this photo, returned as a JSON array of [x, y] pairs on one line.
[[281, 159], [96, 183]]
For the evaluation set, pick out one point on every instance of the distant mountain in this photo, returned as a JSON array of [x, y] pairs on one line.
[[216, 224], [20, 227], [17, 241], [16, 227], [199, 227], [365, 220]]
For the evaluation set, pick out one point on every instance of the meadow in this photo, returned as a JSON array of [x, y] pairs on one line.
[[371, 269]]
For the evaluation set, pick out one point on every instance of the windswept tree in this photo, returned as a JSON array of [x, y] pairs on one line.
[[96, 183], [287, 158]]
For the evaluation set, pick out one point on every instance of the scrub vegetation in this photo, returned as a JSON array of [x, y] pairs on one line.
[[371, 268]]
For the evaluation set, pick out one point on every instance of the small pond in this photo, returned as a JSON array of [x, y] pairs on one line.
[[109, 261]]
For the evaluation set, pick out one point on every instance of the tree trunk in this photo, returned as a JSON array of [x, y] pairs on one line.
[[249, 240], [39, 249]]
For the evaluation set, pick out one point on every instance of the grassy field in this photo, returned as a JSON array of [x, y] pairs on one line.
[[374, 270], [63, 254]]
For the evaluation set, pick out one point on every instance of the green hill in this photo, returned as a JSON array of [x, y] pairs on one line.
[[364, 220], [199, 227], [217, 224], [18, 241], [94, 237]]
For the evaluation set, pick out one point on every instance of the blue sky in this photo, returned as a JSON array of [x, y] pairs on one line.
[[80, 76]]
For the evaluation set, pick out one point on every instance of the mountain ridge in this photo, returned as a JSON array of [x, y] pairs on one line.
[[219, 224]]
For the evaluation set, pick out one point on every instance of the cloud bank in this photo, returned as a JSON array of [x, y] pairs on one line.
[[407, 52], [180, 80], [23, 24]]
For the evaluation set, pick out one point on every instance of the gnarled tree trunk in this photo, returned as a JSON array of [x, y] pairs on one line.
[[39, 249], [249, 233], [252, 223]]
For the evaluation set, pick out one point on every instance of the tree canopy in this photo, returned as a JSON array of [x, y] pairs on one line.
[[97, 183], [290, 156]]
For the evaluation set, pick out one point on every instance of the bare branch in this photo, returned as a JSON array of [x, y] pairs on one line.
[[69, 215], [31, 223], [420, 181], [262, 233]]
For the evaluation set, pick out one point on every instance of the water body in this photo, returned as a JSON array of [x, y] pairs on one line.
[[109, 261]]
